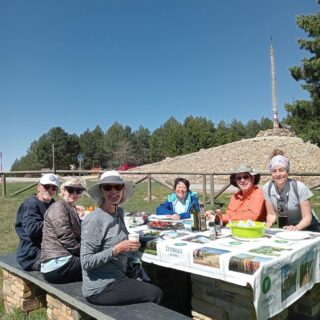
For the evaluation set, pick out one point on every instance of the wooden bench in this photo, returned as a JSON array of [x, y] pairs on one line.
[[28, 291]]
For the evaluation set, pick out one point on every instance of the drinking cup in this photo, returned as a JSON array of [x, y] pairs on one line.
[[133, 236]]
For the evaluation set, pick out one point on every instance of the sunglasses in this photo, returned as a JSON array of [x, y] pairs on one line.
[[72, 190], [108, 187], [245, 177], [47, 187]]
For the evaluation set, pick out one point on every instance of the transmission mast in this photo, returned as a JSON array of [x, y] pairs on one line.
[[276, 123]]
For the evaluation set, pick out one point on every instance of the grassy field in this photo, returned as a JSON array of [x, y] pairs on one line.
[[10, 205]]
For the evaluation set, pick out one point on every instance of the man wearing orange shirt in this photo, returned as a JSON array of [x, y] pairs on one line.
[[248, 202]]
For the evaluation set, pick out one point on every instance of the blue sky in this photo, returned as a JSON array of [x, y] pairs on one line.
[[78, 64]]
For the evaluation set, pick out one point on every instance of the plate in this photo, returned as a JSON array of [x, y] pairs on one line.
[[292, 235], [136, 223], [165, 225], [160, 217]]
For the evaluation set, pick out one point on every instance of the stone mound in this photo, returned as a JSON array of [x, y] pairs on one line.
[[304, 157]]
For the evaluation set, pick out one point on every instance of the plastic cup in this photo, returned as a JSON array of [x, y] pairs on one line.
[[133, 236]]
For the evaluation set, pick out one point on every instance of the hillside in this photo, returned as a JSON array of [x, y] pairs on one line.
[[304, 157]]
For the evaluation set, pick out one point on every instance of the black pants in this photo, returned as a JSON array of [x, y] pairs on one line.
[[127, 291], [36, 266], [69, 272]]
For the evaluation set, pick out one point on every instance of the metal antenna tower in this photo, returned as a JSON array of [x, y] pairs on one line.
[[276, 123]]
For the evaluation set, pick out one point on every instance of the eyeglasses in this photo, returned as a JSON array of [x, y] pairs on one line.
[[72, 190], [50, 186], [108, 187], [245, 177]]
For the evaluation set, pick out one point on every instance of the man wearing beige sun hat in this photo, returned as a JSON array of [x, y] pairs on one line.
[[248, 202]]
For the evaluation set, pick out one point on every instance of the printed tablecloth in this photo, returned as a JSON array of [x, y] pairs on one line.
[[279, 271]]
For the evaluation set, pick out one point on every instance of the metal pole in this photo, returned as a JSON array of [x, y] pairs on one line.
[[53, 160], [204, 188], [274, 94]]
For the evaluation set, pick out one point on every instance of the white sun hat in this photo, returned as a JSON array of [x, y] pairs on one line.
[[111, 177]]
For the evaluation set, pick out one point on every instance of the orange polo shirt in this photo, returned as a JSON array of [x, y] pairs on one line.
[[252, 206]]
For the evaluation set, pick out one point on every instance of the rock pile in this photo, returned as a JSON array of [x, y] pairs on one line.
[[304, 158]]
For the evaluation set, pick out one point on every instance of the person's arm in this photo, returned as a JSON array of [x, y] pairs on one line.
[[271, 214], [165, 208], [306, 217], [93, 235], [32, 222]]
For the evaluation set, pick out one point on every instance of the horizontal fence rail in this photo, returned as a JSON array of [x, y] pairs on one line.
[[148, 176]]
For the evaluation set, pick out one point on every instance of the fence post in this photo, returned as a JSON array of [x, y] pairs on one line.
[[204, 188], [211, 189], [149, 188], [4, 185]]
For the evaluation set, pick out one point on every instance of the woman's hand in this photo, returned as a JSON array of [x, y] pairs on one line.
[[291, 228], [175, 217], [125, 246], [210, 215], [80, 211]]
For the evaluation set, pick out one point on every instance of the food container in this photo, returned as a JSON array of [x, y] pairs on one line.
[[245, 230]]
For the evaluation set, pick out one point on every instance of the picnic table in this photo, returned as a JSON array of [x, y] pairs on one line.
[[274, 271]]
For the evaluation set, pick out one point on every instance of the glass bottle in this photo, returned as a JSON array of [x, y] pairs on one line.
[[202, 219], [212, 230], [194, 218], [218, 223]]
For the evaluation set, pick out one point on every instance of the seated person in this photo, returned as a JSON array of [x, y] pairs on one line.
[[29, 222], [248, 202], [106, 250], [60, 248], [180, 202], [287, 200]]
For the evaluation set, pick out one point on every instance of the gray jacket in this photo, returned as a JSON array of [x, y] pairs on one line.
[[100, 232], [61, 232]]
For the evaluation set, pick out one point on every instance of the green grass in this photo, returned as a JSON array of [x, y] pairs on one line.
[[139, 202], [17, 314]]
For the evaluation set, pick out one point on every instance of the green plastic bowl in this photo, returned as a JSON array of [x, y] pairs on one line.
[[256, 231]]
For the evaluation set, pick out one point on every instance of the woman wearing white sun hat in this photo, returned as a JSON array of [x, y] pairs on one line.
[[105, 248]]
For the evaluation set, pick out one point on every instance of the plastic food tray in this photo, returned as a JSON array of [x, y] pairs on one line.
[[256, 231]]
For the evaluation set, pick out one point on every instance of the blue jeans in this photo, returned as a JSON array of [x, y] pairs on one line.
[[69, 272]]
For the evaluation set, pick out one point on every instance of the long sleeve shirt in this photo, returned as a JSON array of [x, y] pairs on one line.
[[252, 206]]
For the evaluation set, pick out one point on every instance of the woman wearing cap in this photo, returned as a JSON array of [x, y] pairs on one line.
[[287, 200], [248, 203], [60, 248], [180, 202], [105, 248]]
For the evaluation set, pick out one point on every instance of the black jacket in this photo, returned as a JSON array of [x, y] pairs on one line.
[[29, 224]]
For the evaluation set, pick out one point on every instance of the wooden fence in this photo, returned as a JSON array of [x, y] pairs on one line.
[[207, 179]]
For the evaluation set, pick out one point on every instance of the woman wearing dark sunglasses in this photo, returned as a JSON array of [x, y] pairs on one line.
[[287, 200], [60, 248], [248, 203], [105, 248]]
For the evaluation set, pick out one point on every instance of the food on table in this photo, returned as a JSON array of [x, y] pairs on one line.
[[165, 225]]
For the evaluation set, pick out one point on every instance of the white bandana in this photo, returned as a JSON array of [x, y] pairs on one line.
[[279, 160]]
